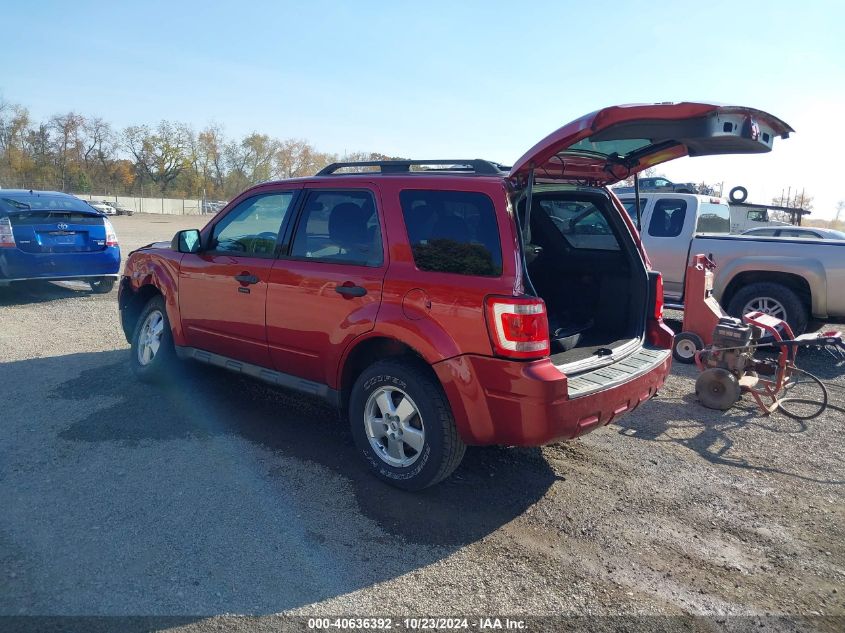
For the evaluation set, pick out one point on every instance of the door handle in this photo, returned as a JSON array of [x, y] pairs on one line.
[[247, 278], [350, 290]]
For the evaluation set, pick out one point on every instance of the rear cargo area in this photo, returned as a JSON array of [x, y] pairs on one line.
[[582, 262]]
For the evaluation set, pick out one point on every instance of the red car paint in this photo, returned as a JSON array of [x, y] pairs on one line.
[[293, 321]]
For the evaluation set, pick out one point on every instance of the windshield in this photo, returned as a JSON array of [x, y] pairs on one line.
[[41, 202]]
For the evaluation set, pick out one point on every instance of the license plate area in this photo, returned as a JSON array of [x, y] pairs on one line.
[[63, 237]]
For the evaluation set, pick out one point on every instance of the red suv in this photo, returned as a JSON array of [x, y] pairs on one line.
[[438, 303]]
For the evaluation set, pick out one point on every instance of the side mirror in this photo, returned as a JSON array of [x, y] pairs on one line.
[[186, 241]]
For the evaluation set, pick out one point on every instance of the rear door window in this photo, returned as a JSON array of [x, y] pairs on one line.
[[714, 218], [667, 218], [452, 232], [804, 235], [339, 227]]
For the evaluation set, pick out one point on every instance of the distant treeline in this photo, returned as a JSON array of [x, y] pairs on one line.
[[74, 152]]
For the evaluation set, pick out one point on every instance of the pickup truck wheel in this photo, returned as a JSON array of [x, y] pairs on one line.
[[685, 347], [152, 349], [402, 423], [771, 298], [102, 285]]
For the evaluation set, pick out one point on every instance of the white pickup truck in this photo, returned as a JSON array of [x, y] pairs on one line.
[[790, 278]]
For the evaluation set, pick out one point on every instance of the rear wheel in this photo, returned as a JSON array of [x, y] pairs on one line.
[[771, 298], [153, 354], [102, 285], [402, 424]]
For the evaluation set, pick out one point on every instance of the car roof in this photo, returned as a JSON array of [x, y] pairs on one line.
[[411, 177]]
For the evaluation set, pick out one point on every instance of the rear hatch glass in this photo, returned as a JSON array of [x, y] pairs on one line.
[[58, 231]]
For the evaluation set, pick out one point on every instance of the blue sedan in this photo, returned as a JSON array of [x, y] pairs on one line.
[[55, 236]]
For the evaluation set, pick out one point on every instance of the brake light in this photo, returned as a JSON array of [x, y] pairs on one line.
[[518, 328], [111, 236], [658, 297], [7, 238]]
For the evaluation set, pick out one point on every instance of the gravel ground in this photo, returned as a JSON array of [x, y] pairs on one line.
[[216, 495]]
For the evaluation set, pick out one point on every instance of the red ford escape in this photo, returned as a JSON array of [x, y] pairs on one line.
[[439, 303]]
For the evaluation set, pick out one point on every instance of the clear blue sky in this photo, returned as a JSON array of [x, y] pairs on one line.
[[437, 78]]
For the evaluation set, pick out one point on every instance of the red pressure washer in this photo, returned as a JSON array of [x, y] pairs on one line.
[[724, 349], [701, 310]]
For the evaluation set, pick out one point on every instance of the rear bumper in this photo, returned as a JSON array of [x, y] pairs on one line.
[[18, 265], [529, 404]]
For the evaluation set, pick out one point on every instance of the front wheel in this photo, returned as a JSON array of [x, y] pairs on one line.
[[402, 424], [153, 354], [102, 285], [771, 298]]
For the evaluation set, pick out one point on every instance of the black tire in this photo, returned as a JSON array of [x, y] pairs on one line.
[[102, 285], [442, 448], [161, 365], [796, 311], [717, 388], [684, 343], [738, 194]]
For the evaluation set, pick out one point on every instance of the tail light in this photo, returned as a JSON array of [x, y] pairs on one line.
[[7, 238], [111, 236], [658, 297], [518, 328], [657, 332]]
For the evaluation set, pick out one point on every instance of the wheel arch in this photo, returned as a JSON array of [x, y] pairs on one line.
[[132, 302], [794, 282], [803, 278], [367, 350]]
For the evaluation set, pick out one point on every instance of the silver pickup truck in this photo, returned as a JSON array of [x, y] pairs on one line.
[[790, 278]]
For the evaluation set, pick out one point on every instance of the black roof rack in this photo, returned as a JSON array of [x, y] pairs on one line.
[[473, 166]]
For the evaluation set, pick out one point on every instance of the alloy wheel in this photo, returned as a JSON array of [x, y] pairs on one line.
[[766, 305], [149, 338], [394, 426]]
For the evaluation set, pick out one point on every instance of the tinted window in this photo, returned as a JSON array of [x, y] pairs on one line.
[[37, 201], [807, 235], [713, 218], [48, 217], [339, 226], [252, 227], [453, 232], [581, 224], [667, 218]]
